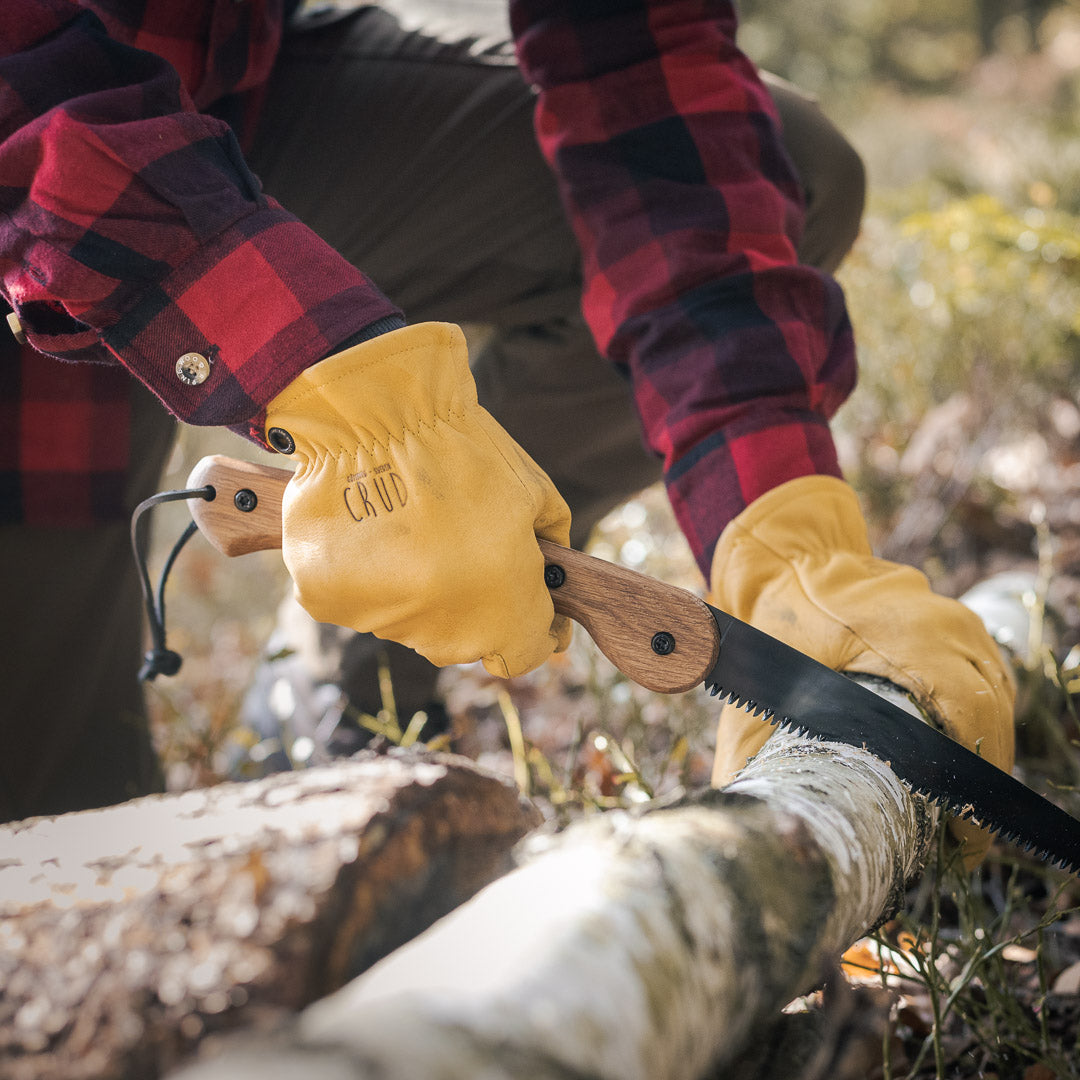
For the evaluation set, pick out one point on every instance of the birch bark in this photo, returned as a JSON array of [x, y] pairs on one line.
[[649, 947], [128, 934]]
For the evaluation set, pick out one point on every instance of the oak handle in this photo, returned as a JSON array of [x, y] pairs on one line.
[[659, 635], [245, 513]]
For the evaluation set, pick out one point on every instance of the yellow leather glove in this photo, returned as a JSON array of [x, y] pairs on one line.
[[413, 515], [797, 564]]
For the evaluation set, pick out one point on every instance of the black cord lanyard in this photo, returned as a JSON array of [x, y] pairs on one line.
[[160, 660]]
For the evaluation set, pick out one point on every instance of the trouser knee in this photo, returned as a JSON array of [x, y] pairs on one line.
[[830, 171]]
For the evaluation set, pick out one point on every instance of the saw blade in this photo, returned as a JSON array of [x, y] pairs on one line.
[[783, 686]]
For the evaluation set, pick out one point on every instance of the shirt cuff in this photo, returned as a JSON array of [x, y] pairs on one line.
[[724, 473], [233, 325]]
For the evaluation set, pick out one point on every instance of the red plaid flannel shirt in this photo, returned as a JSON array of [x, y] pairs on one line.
[[130, 215]]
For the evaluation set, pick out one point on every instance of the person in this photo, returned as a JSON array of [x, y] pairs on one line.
[[697, 236]]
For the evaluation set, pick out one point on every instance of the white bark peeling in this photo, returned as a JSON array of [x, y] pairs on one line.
[[873, 832], [632, 947]]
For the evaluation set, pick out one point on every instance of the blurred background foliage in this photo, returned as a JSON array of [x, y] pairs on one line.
[[838, 47]]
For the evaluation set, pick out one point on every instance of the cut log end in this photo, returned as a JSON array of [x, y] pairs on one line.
[[130, 934]]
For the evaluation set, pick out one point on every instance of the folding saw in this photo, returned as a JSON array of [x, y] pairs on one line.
[[669, 640]]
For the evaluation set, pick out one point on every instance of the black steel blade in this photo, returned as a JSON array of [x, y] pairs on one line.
[[784, 686]]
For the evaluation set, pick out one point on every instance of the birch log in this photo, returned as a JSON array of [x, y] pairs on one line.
[[130, 934], [649, 947]]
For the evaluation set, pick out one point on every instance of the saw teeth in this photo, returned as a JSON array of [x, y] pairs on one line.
[[964, 812], [935, 800], [733, 697]]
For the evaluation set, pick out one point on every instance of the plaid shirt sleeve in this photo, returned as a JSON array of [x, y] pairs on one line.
[[687, 211], [131, 228]]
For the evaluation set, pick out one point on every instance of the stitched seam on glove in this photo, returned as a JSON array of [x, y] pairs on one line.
[[423, 432], [296, 397]]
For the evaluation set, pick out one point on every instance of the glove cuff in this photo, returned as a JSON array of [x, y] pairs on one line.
[[818, 513], [373, 392], [805, 518]]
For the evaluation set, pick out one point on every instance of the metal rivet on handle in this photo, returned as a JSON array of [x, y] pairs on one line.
[[245, 500], [554, 576], [663, 643]]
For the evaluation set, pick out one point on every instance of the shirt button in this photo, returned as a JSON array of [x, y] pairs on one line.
[[192, 368], [16, 328]]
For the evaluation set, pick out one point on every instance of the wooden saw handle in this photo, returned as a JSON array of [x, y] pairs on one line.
[[659, 635]]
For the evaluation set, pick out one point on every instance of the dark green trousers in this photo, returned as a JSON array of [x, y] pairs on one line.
[[73, 725]]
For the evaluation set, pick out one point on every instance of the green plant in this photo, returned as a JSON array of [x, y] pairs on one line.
[[961, 296], [976, 952]]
